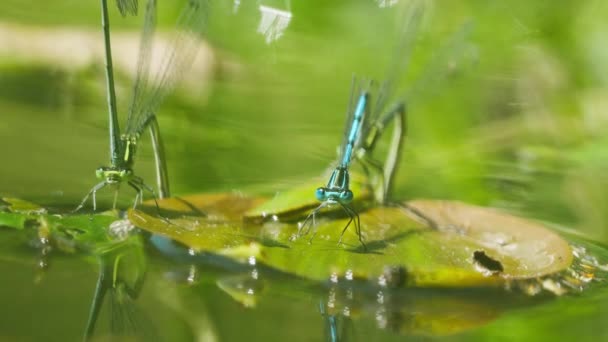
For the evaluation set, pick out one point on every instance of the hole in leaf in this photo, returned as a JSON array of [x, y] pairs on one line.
[[487, 262]]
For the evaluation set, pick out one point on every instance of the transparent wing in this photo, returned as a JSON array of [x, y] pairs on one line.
[[127, 320], [452, 54], [176, 61], [140, 87], [122, 273], [127, 7], [410, 24]]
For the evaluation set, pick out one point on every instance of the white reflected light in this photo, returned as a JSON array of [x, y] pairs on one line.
[[273, 22], [386, 3]]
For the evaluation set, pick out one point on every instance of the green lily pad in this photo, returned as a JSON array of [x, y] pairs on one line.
[[299, 201], [207, 222], [68, 232], [400, 252], [221, 237], [17, 205], [15, 213], [12, 220], [217, 207], [81, 231], [409, 246], [521, 247]]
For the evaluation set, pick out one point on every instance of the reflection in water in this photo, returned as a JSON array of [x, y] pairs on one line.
[[429, 312], [337, 326], [342, 301], [346, 300], [244, 288], [43, 245], [274, 21], [122, 270]]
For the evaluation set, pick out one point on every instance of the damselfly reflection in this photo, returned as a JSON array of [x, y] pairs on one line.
[[148, 93], [122, 270], [337, 326]]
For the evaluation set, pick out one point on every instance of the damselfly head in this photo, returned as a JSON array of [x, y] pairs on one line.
[[113, 175], [343, 196]]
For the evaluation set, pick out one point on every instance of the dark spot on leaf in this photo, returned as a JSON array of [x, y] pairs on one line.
[[31, 223], [487, 262]]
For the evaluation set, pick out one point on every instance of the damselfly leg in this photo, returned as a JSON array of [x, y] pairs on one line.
[[380, 175]]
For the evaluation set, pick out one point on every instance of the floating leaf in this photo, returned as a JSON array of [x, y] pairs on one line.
[[13, 220], [510, 246], [400, 251], [208, 222], [199, 234], [15, 212], [82, 231], [419, 244], [17, 205], [68, 232], [218, 207]]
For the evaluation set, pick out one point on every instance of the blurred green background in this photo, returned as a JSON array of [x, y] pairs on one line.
[[519, 124]]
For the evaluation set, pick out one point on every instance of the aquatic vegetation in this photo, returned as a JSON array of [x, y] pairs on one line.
[[432, 248], [417, 244]]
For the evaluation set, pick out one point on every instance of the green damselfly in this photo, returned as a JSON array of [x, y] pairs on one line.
[[148, 93]]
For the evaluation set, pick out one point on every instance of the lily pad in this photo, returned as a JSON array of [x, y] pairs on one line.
[[412, 246], [82, 231], [17, 205], [14, 212], [208, 222], [68, 232], [199, 234], [217, 207], [400, 252], [510, 246], [12, 220]]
